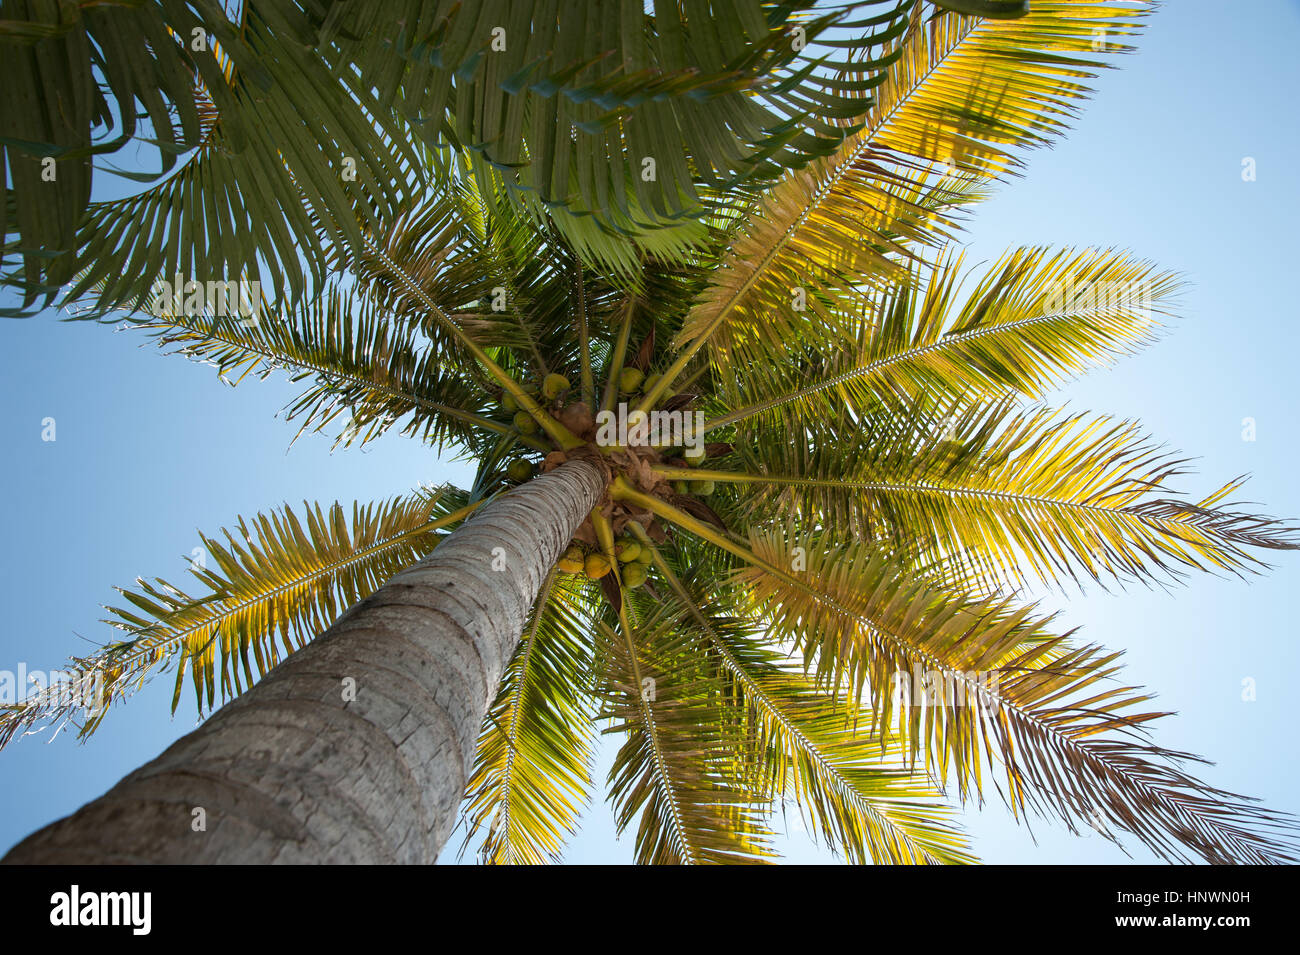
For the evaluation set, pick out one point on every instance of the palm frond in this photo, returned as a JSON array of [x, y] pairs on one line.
[[678, 769], [395, 278], [971, 91], [960, 92], [532, 770], [276, 584], [295, 158], [360, 363], [1068, 739], [1007, 496], [1033, 319], [79, 78], [866, 803], [711, 95]]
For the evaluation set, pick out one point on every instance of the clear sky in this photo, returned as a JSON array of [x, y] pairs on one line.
[[149, 449]]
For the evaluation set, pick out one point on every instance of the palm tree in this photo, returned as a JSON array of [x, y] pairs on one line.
[[871, 486]]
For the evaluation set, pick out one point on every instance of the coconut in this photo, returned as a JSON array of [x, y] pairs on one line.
[[578, 418], [596, 566], [646, 556], [634, 575], [508, 402], [629, 380], [571, 561], [519, 470], [693, 457], [525, 423], [554, 385], [627, 550], [702, 488]]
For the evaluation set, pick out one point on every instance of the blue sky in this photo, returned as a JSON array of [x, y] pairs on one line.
[[149, 449]]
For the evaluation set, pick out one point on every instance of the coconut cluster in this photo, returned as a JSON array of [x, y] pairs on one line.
[[635, 462], [633, 558]]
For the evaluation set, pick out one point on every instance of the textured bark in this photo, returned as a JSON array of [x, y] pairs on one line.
[[293, 772]]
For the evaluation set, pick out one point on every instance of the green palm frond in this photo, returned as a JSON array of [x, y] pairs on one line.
[[453, 250], [304, 119], [79, 78], [989, 687], [678, 768], [375, 371], [295, 158], [275, 584], [532, 769], [525, 299], [713, 95]]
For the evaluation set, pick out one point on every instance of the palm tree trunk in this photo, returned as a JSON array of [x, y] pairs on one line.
[[356, 747]]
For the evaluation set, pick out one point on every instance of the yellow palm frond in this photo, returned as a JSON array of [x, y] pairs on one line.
[[962, 95], [1066, 737], [858, 793], [968, 91], [532, 769], [1007, 497], [276, 583], [1033, 319]]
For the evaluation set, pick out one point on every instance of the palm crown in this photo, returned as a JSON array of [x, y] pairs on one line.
[[816, 595]]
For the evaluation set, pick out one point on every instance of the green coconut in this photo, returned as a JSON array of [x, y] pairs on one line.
[[629, 380], [554, 385], [525, 423]]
